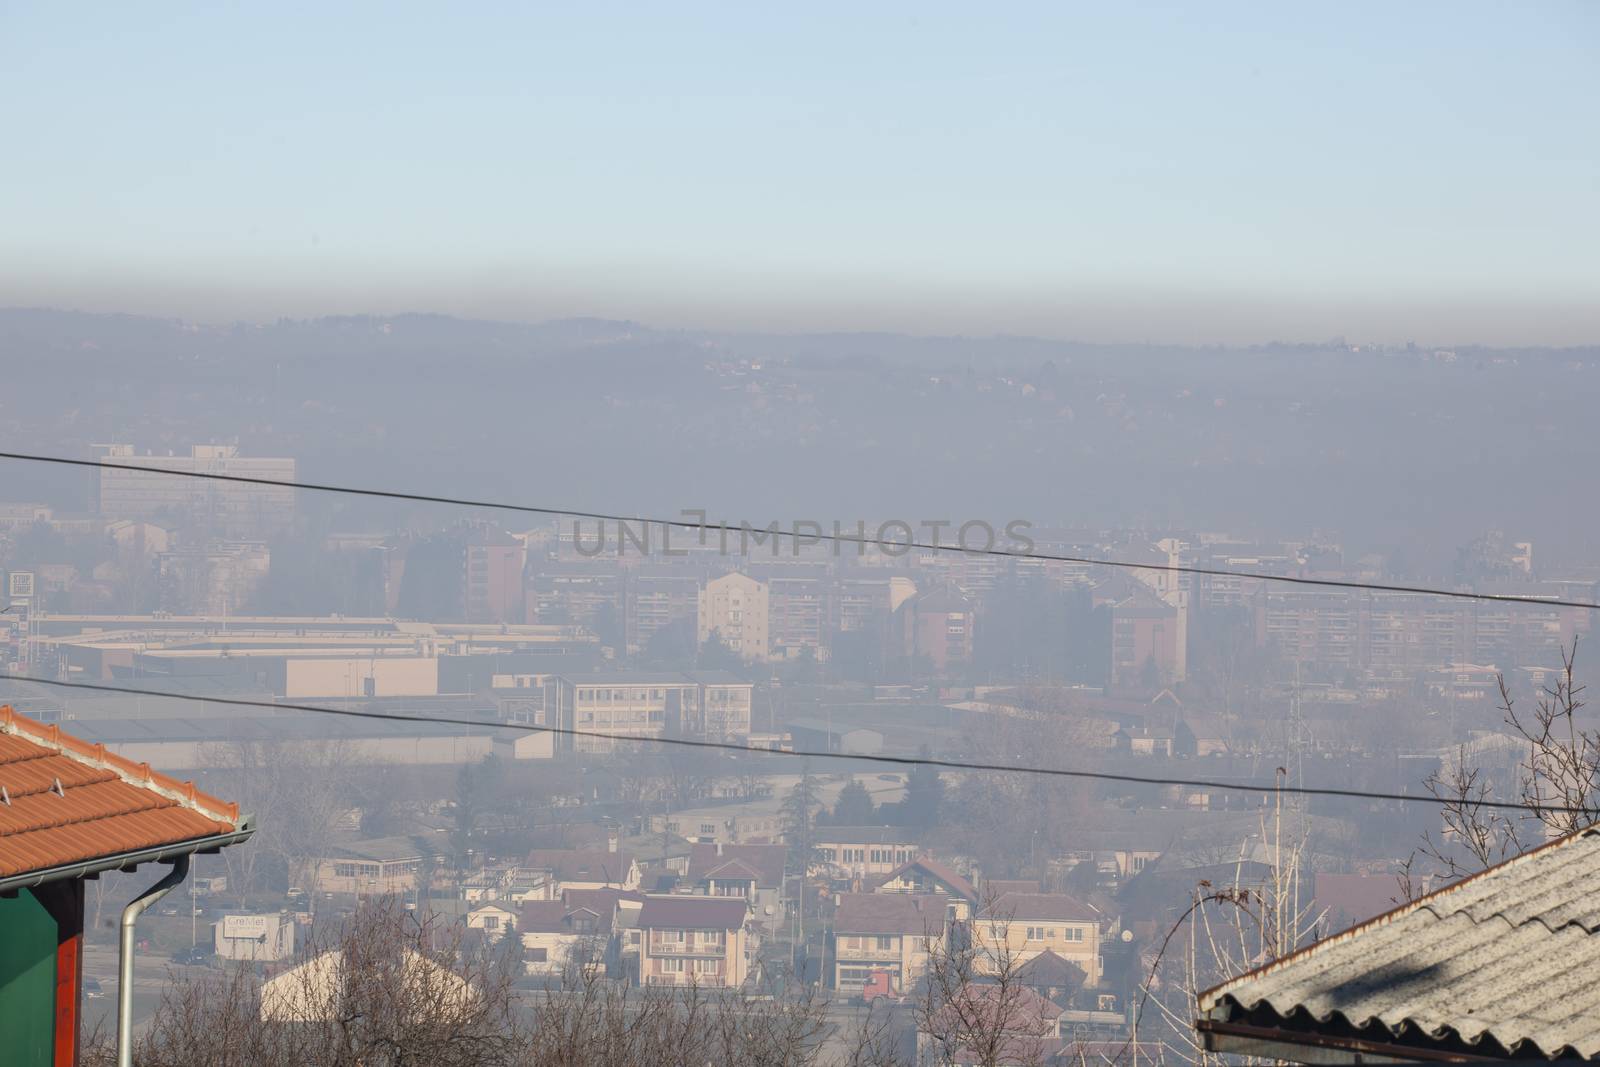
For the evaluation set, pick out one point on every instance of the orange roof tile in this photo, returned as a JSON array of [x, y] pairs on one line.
[[66, 801]]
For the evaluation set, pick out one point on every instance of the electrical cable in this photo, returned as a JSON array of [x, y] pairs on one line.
[[705, 527], [728, 746]]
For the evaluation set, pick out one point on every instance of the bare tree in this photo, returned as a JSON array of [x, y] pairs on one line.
[[1232, 928], [1562, 771], [296, 792], [393, 990], [1557, 781], [976, 1007], [1475, 834], [388, 990]]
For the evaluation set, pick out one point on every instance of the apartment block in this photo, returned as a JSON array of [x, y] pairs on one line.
[[214, 508], [733, 609], [654, 704]]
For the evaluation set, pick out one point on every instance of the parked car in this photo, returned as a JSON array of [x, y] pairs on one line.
[[191, 957], [92, 988]]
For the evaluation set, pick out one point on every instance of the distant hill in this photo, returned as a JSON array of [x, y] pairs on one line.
[[1419, 448]]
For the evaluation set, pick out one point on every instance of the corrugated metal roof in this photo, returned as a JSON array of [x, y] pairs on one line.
[[67, 801], [1511, 956]]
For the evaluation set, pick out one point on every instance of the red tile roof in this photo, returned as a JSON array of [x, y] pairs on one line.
[[1041, 907], [947, 876], [694, 913], [763, 862], [889, 913], [581, 865], [66, 801]]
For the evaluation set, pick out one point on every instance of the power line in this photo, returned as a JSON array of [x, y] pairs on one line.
[[728, 746], [723, 528]]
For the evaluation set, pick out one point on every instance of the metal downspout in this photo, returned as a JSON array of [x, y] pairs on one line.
[[130, 916]]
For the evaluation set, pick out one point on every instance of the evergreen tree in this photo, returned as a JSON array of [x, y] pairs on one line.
[[799, 822], [854, 806], [924, 795]]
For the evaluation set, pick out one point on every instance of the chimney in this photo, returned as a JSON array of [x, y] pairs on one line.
[[719, 848], [613, 842]]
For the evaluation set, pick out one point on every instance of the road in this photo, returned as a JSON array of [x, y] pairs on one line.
[[152, 973]]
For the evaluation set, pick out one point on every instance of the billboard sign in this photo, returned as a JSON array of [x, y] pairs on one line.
[[244, 926]]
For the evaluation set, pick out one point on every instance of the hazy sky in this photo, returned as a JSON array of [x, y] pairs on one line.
[[1119, 171]]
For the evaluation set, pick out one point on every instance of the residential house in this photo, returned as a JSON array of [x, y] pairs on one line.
[[71, 811], [699, 940], [1053, 977], [754, 872], [487, 885], [1025, 925], [1498, 966], [865, 851], [495, 921], [374, 865], [1027, 1024], [994, 887], [548, 873], [889, 933], [315, 991], [925, 875], [619, 909], [751, 822], [556, 934]]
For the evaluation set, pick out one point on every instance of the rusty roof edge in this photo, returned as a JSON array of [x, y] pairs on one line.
[[1207, 999], [120, 861], [1441, 1034], [140, 774]]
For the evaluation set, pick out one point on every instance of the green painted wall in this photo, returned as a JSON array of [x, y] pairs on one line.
[[27, 982]]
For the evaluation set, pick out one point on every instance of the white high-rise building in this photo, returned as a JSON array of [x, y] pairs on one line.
[[213, 508], [734, 609]]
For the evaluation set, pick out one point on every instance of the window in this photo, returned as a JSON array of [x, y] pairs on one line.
[[491, 922], [1035, 933], [355, 870], [537, 955], [885, 943], [670, 966], [1074, 933], [707, 966]]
